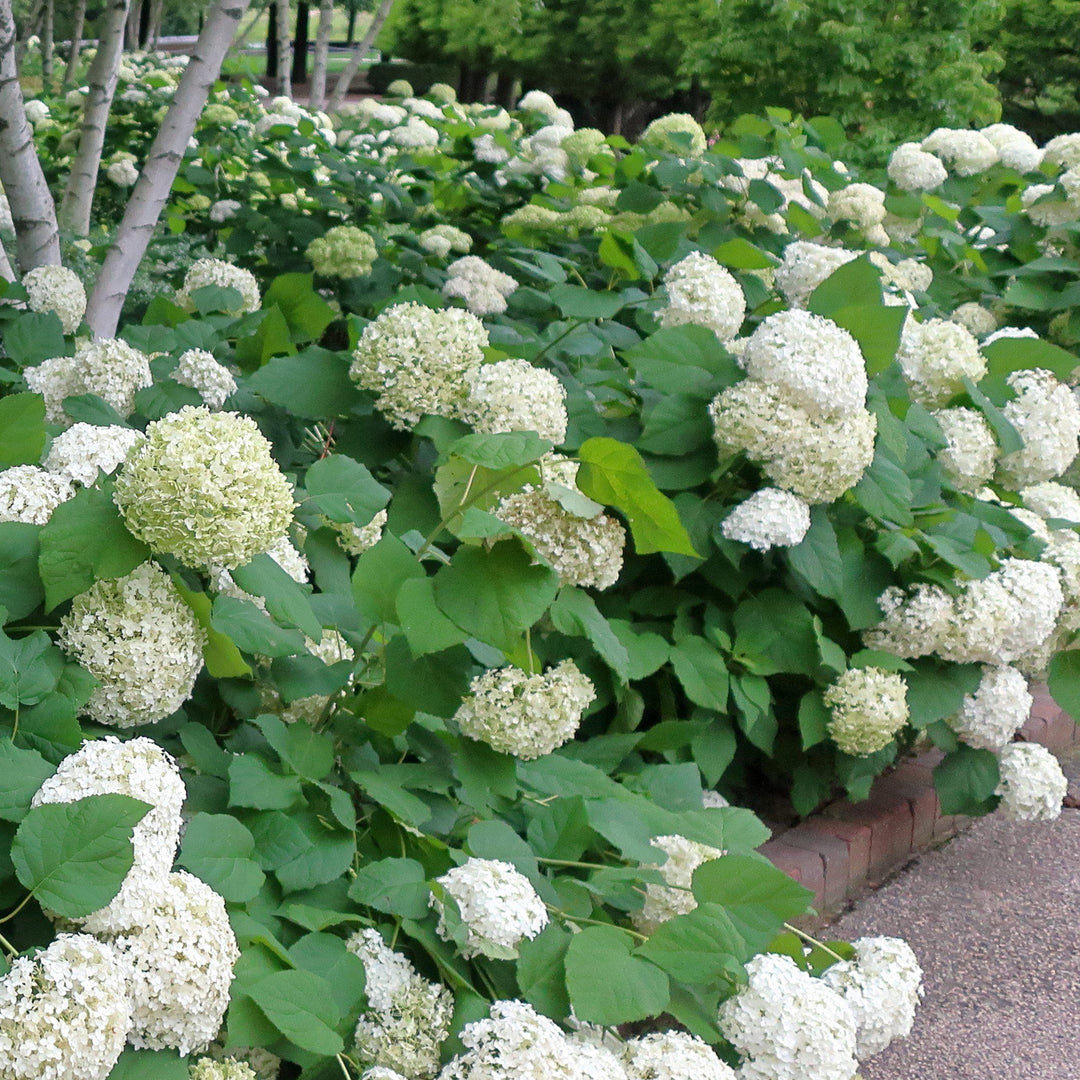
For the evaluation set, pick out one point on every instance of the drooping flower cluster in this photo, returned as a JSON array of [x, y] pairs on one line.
[[226, 1069], [205, 487], [1047, 415], [57, 289], [356, 539], [441, 239], [483, 288], [142, 643], [915, 623], [701, 292], [223, 275], [975, 318], [110, 368], [867, 707], [805, 265], [344, 251], [416, 360], [935, 357], [141, 769], [498, 905], [1051, 500], [513, 395], [769, 518], [213, 382], [911, 168], [85, 449], [882, 986], [971, 452], [966, 152], [407, 1018], [689, 137], [673, 1055], [663, 902], [989, 717], [30, 494], [65, 1013], [525, 715], [1032, 784], [788, 1025]]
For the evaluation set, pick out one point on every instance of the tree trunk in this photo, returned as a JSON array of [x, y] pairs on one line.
[[157, 15], [6, 270], [79, 21], [131, 36], [245, 34], [144, 24], [322, 55], [284, 48], [350, 30], [300, 42], [82, 180], [48, 26], [32, 207], [30, 28], [271, 41], [341, 88], [151, 193]]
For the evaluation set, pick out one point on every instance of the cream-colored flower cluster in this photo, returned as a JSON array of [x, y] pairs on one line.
[[663, 902], [30, 494], [1032, 784], [344, 251], [701, 292], [212, 381], [935, 357], [223, 275], [769, 518], [484, 289], [867, 707], [513, 395], [80, 452], [56, 289]]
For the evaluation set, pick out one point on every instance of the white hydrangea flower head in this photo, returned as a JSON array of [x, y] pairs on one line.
[[343, 251], [224, 210], [911, 168], [769, 518], [526, 715], [1032, 784], [1052, 500], [713, 800], [356, 539], [1047, 415], [37, 111], [974, 317], [414, 134], [498, 905], [970, 455], [673, 1055], [142, 643], [1047, 212], [80, 452], [995, 712], [65, 1013], [816, 361], [141, 769], [788, 1025], [861, 204], [935, 357], [330, 649], [539, 101], [487, 150], [262, 1063], [58, 289], [882, 986], [805, 266], [122, 173], [513, 395], [416, 359], [663, 902], [702, 292], [1003, 617], [225, 1069], [441, 239], [182, 963], [1010, 332], [30, 494], [966, 152], [1016, 148], [1063, 151], [212, 381], [867, 707], [110, 368], [658, 133], [225, 275], [483, 288], [582, 551], [901, 280], [379, 1073], [816, 457], [204, 487], [408, 1017]]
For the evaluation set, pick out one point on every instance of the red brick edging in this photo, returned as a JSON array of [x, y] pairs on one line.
[[846, 847]]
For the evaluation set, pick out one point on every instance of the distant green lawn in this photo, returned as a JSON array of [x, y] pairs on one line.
[[340, 25]]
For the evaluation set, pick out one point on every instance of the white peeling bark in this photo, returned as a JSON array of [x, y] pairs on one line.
[[82, 180], [322, 54], [32, 207], [78, 23], [6, 270], [151, 192], [284, 48], [341, 88]]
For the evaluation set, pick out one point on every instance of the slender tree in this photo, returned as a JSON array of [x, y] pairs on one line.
[[301, 40], [322, 54], [151, 192], [284, 48], [77, 24], [341, 88], [48, 30], [157, 15], [32, 208], [82, 180], [133, 20]]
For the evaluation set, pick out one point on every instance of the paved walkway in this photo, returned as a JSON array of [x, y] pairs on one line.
[[994, 917]]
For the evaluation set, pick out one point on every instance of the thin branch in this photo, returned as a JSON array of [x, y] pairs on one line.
[[341, 88]]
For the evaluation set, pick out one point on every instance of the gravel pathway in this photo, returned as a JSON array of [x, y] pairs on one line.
[[994, 917]]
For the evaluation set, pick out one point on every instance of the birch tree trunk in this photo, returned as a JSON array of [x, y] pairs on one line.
[[157, 14], [78, 22], [322, 54], [151, 192], [6, 270], [131, 37], [83, 178], [32, 207], [341, 88], [48, 27], [284, 49], [245, 34]]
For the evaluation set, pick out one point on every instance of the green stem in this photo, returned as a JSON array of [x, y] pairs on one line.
[[555, 341], [8, 947], [812, 941], [571, 863], [11, 915], [575, 919]]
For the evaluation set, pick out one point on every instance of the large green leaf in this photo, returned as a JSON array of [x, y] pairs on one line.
[[607, 983], [302, 1007], [22, 772], [966, 779], [285, 600], [22, 429], [219, 849], [394, 886], [314, 384], [344, 490]]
